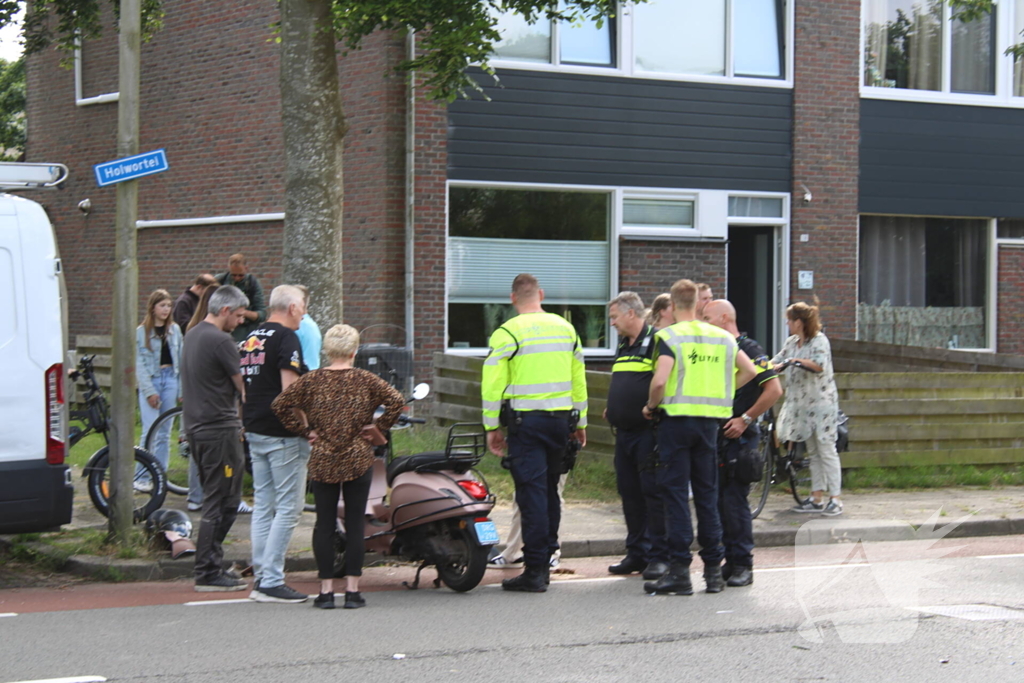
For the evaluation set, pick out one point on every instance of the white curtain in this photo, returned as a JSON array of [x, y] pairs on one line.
[[892, 260]]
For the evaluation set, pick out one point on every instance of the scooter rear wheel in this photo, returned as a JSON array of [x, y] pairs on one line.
[[465, 567]]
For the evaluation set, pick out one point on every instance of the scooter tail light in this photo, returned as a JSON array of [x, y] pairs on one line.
[[474, 488]]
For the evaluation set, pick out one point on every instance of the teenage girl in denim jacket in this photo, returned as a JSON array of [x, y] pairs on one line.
[[158, 350]]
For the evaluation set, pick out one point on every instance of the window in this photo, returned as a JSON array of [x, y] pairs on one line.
[[1010, 229], [691, 37], [917, 45], [658, 217], [561, 237], [694, 39], [755, 207], [923, 281], [585, 43]]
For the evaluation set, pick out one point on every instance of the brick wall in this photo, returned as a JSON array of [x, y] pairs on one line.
[[210, 97], [650, 268], [1010, 304], [826, 138]]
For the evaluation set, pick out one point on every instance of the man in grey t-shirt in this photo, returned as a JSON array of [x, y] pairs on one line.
[[211, 388]]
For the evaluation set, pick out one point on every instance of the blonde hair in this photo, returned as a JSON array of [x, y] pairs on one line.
[[341, 341], [149, 322], [660, 303], [808, 314], [684, 294]]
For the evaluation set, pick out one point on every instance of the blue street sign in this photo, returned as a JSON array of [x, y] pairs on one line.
[[130, 168]]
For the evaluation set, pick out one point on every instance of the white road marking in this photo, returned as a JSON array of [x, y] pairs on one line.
[[998, 557], [8, 614], [813, 567], [974, 612], [72, 679], [217, 602]]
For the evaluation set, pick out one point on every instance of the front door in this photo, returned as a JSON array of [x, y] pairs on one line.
[[753, 282]]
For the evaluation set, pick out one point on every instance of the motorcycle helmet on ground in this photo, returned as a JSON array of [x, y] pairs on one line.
[[171, 529]]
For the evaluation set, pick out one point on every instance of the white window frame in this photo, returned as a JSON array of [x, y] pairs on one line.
[[1003, 96], [991, 274], [615, 218], [80, 99], [710, 211], [624, 56]]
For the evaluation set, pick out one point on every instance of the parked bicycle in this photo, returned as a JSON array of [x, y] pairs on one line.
[[178, 460], [789, 466], [149, 482]]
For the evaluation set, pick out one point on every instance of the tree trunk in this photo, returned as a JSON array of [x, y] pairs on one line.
[[314, 131]]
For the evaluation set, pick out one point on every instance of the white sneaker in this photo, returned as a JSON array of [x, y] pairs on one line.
[[554, 562], [244, 508], [143, 485], [833, 509], [195, 507]]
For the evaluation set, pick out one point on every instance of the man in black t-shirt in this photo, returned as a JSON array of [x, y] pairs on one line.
[[271, 361], [739, 435], [646, 549]]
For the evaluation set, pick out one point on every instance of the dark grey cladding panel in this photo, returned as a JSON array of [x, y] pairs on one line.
[[941, 159], [598, 130]]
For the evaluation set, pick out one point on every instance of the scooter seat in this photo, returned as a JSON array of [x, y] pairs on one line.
[[411, 463]]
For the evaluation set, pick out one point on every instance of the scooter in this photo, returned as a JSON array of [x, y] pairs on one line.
[[437, 510]]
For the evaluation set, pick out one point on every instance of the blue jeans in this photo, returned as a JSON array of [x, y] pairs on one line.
[[734, 508], [279, 483], [688, 453], [166, 385], [641, 504], [535, 455]]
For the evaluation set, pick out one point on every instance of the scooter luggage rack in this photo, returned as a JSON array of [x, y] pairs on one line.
[[467, 444]]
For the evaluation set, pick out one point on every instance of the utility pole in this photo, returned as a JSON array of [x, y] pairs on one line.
[[126, 283]]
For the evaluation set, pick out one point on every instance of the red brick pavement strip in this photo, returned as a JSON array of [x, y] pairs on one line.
[[390, 578]]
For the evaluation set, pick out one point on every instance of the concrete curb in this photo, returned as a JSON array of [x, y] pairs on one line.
[[820, 531]]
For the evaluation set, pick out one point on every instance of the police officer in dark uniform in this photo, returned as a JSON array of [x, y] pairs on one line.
[[634, 440], [739, 436]]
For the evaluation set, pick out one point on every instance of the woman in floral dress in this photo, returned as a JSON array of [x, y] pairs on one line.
[[811, 410]]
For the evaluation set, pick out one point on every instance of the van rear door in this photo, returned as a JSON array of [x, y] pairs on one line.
[[35, 483]]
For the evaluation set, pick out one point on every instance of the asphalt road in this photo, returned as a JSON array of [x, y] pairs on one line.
[[951, 610]]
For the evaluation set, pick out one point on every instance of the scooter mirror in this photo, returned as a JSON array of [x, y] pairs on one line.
[[420, 391]]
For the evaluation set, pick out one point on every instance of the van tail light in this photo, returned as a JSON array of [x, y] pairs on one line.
[[474, 488], [55, 414]]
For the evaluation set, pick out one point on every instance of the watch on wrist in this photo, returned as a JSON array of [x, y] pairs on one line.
[[746, 419]]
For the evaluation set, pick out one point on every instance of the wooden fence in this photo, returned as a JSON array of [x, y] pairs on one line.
[[861, 356], [896, 419]]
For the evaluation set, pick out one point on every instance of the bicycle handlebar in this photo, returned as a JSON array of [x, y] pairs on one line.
[[794, 362]]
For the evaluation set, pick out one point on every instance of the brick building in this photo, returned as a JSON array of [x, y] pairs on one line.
[[862, 151]]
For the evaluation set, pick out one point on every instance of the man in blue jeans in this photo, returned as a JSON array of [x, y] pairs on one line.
[[271, 361], [739, 435]]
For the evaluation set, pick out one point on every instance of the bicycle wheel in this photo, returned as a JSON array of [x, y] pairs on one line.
[[758, 495], [799, 473], [178, 450], [148, 491]]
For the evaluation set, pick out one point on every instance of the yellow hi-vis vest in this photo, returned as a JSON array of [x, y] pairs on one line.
[[537, 363], [702, 381]]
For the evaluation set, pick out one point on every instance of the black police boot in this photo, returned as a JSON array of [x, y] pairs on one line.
[[727, 570], [656, 570], [628, 565], [532, 580], [675, 582], [713, 579], [741, 576]]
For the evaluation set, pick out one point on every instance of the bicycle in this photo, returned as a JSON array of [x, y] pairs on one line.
[[149, 482], [793, 466], [178, 455]]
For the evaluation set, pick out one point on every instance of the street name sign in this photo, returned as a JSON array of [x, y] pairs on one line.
[[130, 168]]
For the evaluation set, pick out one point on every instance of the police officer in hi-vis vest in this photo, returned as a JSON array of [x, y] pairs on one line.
[[535, 367], [698, 370]]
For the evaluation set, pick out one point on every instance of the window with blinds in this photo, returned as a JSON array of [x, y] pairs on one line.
[[560, 237]]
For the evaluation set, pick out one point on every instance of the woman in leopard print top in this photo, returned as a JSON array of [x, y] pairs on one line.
[[331, 406]]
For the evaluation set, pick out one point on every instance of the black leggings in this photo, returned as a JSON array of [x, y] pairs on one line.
[[325, 498]]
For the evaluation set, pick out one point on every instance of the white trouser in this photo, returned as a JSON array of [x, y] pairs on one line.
[[826, 473]]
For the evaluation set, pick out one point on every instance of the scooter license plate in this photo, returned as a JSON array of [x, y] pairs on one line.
[[486, 533]]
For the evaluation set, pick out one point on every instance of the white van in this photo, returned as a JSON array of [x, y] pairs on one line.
[[35, 483]]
